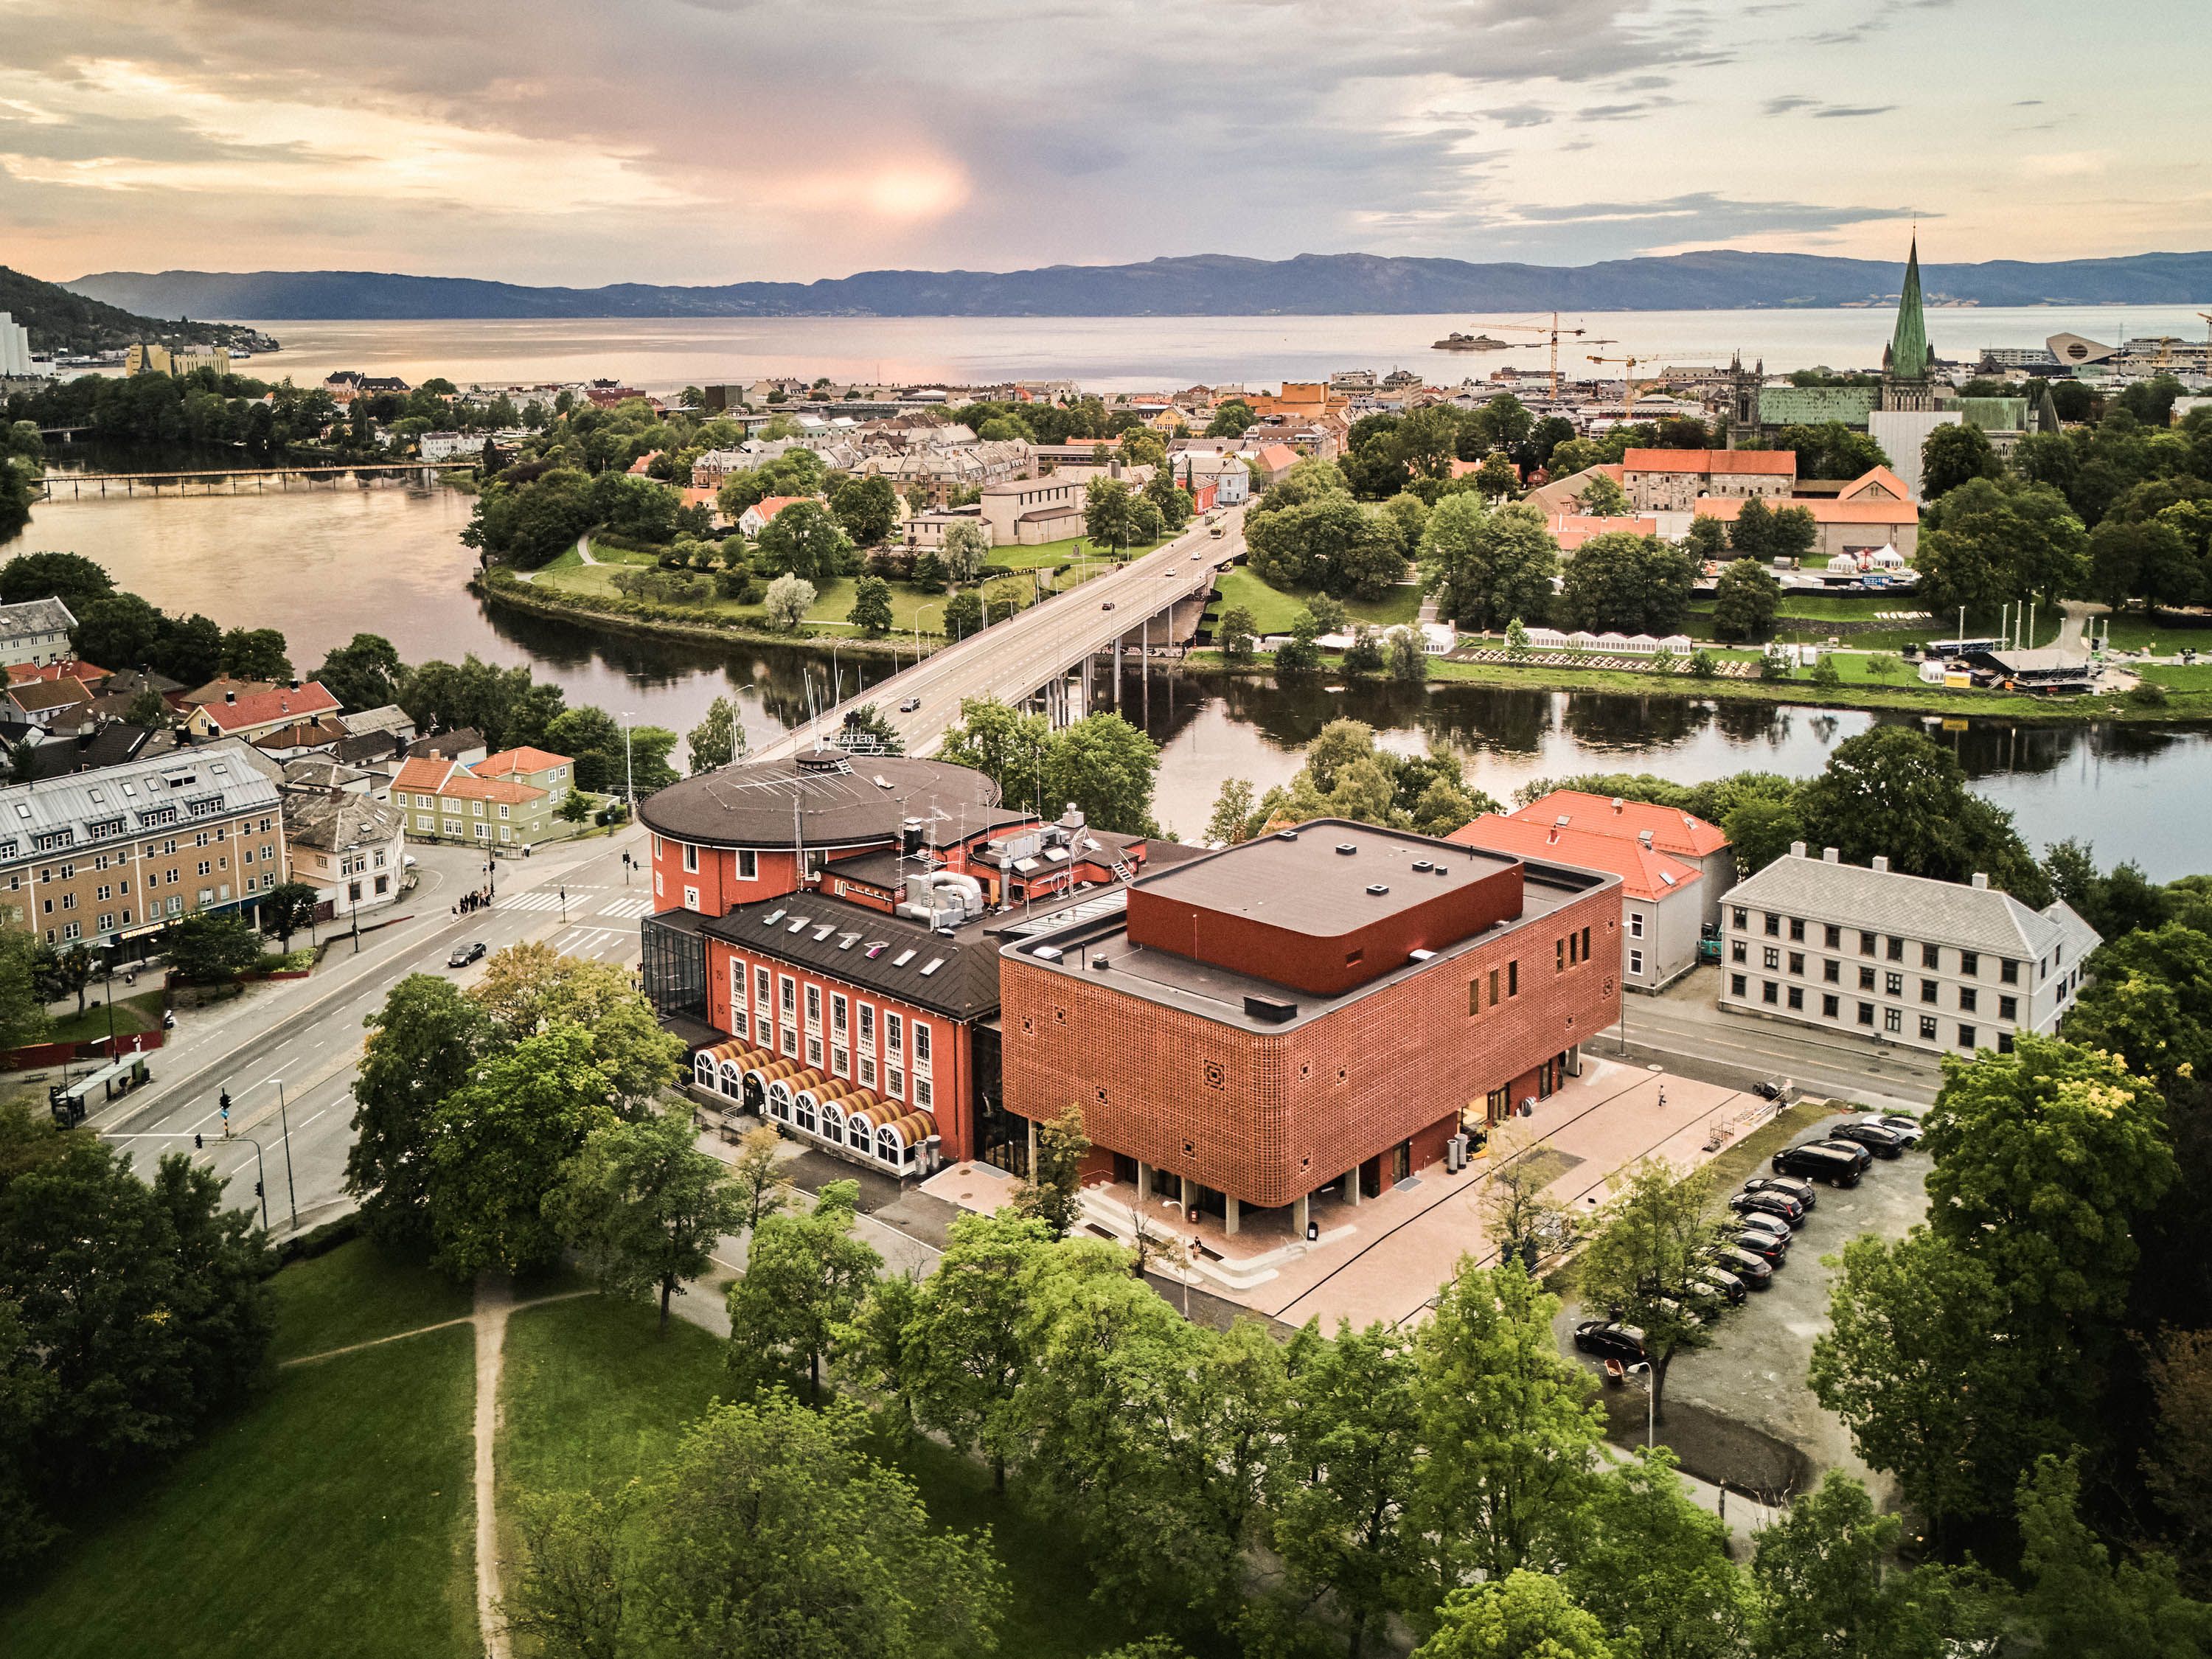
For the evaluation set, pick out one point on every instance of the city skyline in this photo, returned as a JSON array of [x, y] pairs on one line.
[[700, 141]]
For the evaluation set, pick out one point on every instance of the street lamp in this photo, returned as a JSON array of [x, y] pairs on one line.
[[284, 1117], [918, 610], [629, 777]]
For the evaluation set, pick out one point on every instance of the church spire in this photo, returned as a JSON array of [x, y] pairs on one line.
[[1909, 355]]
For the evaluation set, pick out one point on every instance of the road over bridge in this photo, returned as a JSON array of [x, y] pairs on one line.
[[1036, 651]]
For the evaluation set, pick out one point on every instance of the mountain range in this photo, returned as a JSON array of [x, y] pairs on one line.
[[61, 320], [1199, 285]]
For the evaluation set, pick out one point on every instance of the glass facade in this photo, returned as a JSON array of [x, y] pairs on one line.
[[674, 969]]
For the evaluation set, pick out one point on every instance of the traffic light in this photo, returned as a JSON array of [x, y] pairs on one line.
[[198, 1143], [257, 1189], [223, 1101]]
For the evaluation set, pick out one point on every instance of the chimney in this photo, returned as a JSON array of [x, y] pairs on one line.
[[230, 696], [1882, 863], [1981, 882], [1616, 804], [1644, 836], [1828, 855], [1796, 849]]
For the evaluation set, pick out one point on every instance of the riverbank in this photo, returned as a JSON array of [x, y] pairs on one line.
[[2189, 706], [502, 590]]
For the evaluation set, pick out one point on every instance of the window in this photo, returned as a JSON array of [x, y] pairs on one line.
[[748, 865], [840, 1061], [1892, 1019], [1771, 957], [1797, 962], [1735, 985], [895, 1033], [1897, 950], [1473, 997], [483, 832], [1832, 972], [1797, 996], [1970, 964], [1866, 979], [1931, 955], [1866, 943], [789, 1040], [2004, 1042], [1928, 990], [814, 1006], [1833, 936], [813, 1049], [1965, 1036], [921, 1045], [1635, 924], [1773, 926], [867, 1027], [690, 894], [894, 1082], [1513, 977], [1866, 1014], [2009, 971], [840, 1013], [760, 989], [921, 1093], [1797, 930], [1743, 916], [2008, 1008], [787, 995], [1928, 1028], [867, 1071], [1559, 956], [1967, 1000], [1770, 992], [1738, 951], [690, 860], [1493, 988], [1635, 961], [1892, 985]]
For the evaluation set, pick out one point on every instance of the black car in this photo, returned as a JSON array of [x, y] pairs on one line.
[[1877, 1138], [1771, 1088], [1803, 1191], [1766, 1246], [1815, 1162], [1863, 1156], [464, 954], [1610, 1340], [1909, 1127], [1779, 1204], [1756, 1271], [1720, 1282]]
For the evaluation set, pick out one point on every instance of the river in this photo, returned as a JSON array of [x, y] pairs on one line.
[[1129, 354], [323, 564]]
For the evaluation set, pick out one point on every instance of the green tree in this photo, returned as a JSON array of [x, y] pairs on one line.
[[287, 910], [1346, 1481], [1170, 499], [2150, 1000], [929, 573], [789, 598], [1005, 745], [1231, 419], [498, 1144], [2148, 559], [363, 673], [1363, 656], [204, 948], [1298, 654], [1496, 476], [1110, 513], [1652, 1244], [1236, 633], [1404, 658], [1107, 768], [867, 509], [967, 547], [1827, 1590], [963, 614], [1628, 583], [1708, 540], [1990, 541], [2079, 1601], [643, 1206], [76, 580], [531, 988], [1508, 1435], [1486, 565], [1523, 1615], [1761, 830], [421, 1046], [756, 1177], [1654, 1568], [1602, 497], [255, 654], [1950, 455], [1893, 791], [965, 1347], [803, 540], [714, 742], [1232, 813], [504, 704], [872, 607], [16, 494], [1752, 536], [806, 1280], [22, 1005], [1746, 600], [1052, 1194], [62, 972]]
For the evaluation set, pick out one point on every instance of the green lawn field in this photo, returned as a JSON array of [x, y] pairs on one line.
[[1274, 609], [331, 1515], [140, 1013]]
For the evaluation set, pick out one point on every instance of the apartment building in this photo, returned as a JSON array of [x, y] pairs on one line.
[[35, 631], [1929, 964], [100, 857], [510, 800]]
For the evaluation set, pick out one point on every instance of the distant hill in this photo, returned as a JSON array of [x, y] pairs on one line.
[[62, 320], [1202, 285]]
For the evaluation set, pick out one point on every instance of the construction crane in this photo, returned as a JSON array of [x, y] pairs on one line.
[[1628, 387], [1553, 334]]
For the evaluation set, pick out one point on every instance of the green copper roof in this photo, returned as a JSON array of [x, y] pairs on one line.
[[1908, 347]]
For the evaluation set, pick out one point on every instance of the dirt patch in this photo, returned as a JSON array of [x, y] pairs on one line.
[[1711, 1447], [1547, 1163]]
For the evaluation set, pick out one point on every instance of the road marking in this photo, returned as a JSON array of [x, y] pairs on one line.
[[630, 907], [580, 941], [538, 901]]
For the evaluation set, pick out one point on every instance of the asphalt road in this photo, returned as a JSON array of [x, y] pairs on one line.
[[1012, 660], [305, 1034]]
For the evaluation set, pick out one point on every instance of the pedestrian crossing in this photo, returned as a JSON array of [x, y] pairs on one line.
[[599, 943], [631, 907], [546, 900]]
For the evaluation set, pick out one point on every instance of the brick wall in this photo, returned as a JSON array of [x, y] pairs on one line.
[[1267, 1116]]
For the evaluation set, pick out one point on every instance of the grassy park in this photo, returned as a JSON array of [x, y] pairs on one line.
[[1274, 609]]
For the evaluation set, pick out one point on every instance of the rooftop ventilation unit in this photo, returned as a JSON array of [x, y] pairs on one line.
[[1347, 848], [1286, 835], [1423, 864], [1047, 953], [1273, 1010], [1420, 956], [1100, 962], [1378, 888]]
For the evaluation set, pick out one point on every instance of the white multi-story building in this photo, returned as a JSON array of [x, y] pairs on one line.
[[15, 351], [1930, 964]]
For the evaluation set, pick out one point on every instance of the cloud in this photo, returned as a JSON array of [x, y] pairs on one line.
[[1792, 104]]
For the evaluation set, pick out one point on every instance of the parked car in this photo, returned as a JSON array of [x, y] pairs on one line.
[[1818, 1162], [1720, 1282], [1860, 1155], [1610, 1340], [1765, 1246], [1803, 1191], [1772, 1226], [1904, 1125], [1771, 1088], [464, 954], [1877, 1138], [1778, 1205], [1755, 1271]]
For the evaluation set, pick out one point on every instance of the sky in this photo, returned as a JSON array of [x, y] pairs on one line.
[[584, 141]]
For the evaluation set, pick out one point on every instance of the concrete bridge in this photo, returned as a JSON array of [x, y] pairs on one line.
[[182, 480], [1042, 656]]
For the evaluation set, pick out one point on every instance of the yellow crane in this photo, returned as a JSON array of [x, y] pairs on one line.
[[1554, 333], [1629, 393]]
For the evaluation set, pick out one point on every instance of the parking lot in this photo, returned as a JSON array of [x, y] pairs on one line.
[[1739, 1412]]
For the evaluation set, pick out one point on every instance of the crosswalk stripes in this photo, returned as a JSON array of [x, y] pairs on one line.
[[538, 901], [599, 943], [632, 908]]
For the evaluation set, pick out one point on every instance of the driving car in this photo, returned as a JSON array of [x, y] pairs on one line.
[[1610, 1340], [1198, 556], [1755, 1271], [910, 705], [1817, 1162], [1803, 1191], [1108, 605], [1780, 1206], [1767, 1247], [463, 955], [1877, 1138]]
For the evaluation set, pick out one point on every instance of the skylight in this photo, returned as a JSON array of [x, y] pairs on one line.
[[932, 966], [824, 931], [902, 958], [876, 948]]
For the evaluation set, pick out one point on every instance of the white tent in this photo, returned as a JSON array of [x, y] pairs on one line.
[[1886, 558], [1844, 563]]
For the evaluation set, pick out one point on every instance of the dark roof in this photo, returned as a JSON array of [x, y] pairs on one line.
[[838, 800], [839, 941], [1300, 880], [112, 745], [368, 748], [882, 869], [445, 745]]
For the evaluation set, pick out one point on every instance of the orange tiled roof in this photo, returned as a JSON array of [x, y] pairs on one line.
[[1725, 508], [260, 708], [455, 781], [1876, 477], [70, 668], [1671, 831], [525, 759], [1644, 874], [769, 506], [1571, 530], [1782, 462]]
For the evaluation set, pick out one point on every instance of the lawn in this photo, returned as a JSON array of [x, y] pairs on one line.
[[357, 1293], [332, 1515], [1045, 556], [2180, 677], [1274, 609], [140, 1013], [592, 1397]]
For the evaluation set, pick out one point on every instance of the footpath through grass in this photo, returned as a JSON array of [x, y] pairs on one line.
[[592, 1397], [332, 1515]]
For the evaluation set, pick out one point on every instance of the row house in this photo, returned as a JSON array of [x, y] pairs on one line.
[[509, 801]]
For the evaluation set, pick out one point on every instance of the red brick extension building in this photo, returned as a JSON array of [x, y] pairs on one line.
[[1270, 1019]]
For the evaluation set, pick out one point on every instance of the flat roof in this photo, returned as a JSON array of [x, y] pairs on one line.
[[832, 799], [1302, 880]]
